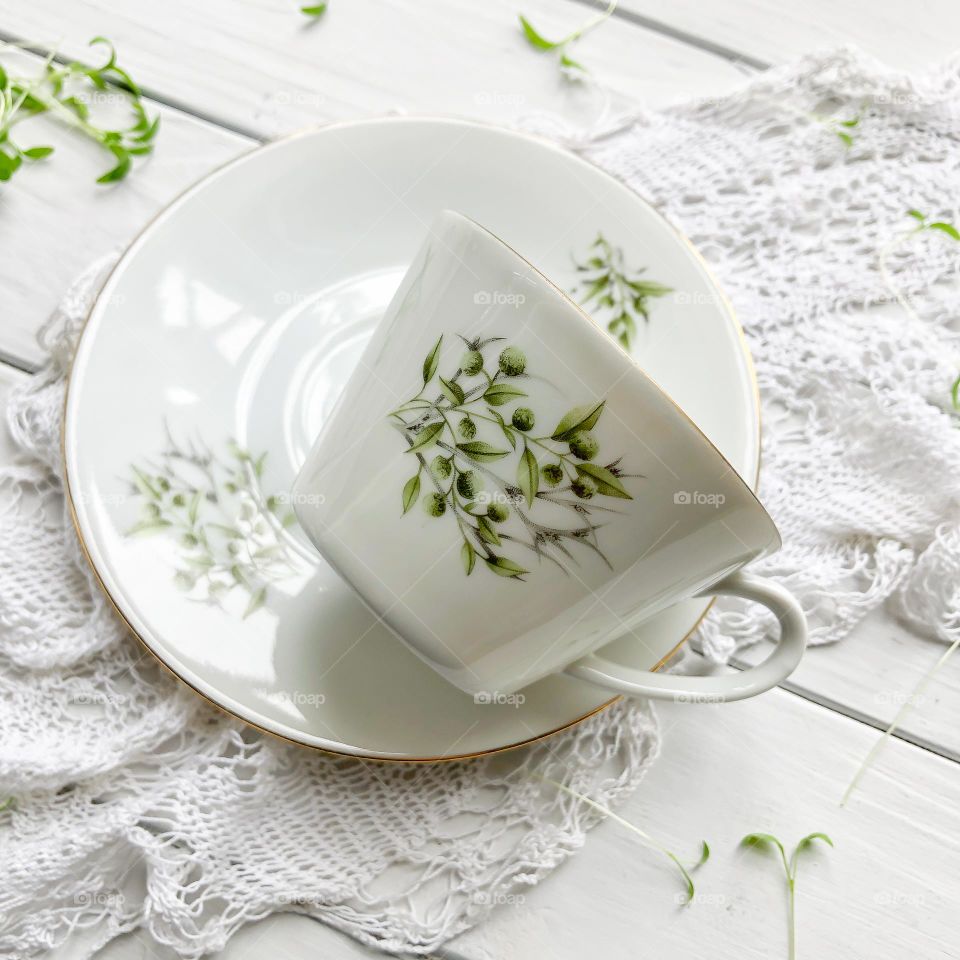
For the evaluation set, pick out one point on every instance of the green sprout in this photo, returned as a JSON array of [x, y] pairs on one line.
[[64, 92], [768, 841], [570, 68], [645, 837]]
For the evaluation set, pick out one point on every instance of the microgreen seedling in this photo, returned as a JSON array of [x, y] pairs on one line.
[[314, 10], [570, 67], [766, 841], [645, 837], [64, 92]]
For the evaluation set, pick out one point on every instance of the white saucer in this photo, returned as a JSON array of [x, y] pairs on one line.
[[236, 317]]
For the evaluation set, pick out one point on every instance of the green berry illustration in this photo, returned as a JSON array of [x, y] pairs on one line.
[[440, 467], [498, 512], [523, 418], [471, 363], [583, 445], [178, 500], [513, 362], [467, 428], [434, 504], [584, 488], [552, 473], [467, 485]]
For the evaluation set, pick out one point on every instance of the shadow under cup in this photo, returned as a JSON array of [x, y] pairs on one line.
[[503, 485]]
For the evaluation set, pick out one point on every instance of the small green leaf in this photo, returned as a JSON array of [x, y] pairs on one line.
[[316, 10], [570, 64], [256, 602], [431, 361], [846, 138], [411, 492], [810, 837], [426, 436], [955, 393], [500, 393], [503, 567], [194, 508], [37, 153], [534, 38], [762, 840], [607, 483], [259, 464], [8, 165], [452, 391], [3, 78], [469, 557], [948, 228], [704, 855], [850, 124], [917, 215], [120, 170], [480, 451], [528, 475], [579, 418], [487, 532]]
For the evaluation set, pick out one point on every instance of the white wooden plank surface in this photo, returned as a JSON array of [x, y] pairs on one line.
[[775, 764], [907, 36], [874, 672], [259, 66], [55, 219]]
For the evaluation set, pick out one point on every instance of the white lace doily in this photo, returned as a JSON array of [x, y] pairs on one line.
[[162, 813]]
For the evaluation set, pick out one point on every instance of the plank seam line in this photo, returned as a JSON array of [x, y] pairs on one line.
[[683, 36]]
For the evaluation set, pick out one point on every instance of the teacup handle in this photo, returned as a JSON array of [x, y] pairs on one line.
[[747, 683]]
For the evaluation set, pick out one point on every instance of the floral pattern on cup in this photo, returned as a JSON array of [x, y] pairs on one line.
[[480, 420]]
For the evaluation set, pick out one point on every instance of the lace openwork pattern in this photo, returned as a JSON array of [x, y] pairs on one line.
[[139, 805]]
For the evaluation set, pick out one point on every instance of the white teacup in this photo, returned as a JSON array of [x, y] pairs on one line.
[[504, 486]]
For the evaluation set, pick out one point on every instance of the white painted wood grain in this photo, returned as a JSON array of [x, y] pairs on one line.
[[260, 66], [55, 219], [776, 764], [907, 36], [874, 671]]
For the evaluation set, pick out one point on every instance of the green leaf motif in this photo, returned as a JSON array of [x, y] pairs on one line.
[[426, 436], [315, 10], [452, 391], [37, 153], [480, 451], [469, 557], [504, 429], [528, 475], [498, 394], [431, 361], [487, 532], [256, 602], [607, 483], [504, 567], [411, 492], [579, 418]]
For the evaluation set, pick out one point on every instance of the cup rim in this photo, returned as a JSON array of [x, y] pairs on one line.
[[594, 325]]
